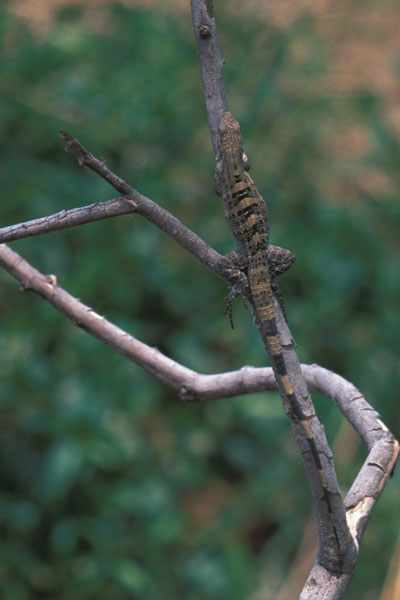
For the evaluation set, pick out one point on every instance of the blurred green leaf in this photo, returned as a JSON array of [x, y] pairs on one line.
[[60, 468]]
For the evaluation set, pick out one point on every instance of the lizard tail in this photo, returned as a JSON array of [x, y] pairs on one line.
[[259, 280]]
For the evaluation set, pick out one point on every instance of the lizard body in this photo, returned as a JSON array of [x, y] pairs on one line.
[[246, 214]]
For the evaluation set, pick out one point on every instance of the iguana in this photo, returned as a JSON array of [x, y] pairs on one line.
[[247, 217]]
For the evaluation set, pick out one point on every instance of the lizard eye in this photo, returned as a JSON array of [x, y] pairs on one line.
[[246, 162]]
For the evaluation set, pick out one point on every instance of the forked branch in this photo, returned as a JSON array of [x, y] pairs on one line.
[[196, 387]]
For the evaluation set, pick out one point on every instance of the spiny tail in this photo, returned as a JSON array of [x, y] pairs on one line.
[[260, 286]]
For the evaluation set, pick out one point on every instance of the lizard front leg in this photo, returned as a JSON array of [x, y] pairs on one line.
[[279, 260]]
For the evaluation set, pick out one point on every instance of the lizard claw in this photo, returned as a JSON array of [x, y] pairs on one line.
[[230, 299], [228, 311], [236, 290]]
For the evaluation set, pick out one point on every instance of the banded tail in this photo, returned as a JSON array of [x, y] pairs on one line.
[[260, 286]]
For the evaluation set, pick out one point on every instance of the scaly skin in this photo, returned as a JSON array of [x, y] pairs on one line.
[[246, 213]]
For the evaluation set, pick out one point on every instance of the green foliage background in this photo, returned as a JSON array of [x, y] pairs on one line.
[[110, 488]]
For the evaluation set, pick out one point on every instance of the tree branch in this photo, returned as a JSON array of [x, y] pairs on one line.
[[147, 208], [67, 218], [211, 64]]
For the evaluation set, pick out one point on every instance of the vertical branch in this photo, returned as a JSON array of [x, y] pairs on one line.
[[211, 63]]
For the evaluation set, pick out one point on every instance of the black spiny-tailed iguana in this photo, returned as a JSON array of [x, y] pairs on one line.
[[246, 213]]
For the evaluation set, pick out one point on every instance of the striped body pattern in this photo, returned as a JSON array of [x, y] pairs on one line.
[[246, 214]]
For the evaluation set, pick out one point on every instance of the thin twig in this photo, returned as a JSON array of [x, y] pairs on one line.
[[67, 218], [98, 166], [211, 64]]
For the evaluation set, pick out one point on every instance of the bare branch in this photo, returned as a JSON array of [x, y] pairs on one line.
[[211, 63], [130, 202], [67, 218], [98, 166]]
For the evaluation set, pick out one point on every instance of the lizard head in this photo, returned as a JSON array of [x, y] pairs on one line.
[[229, 136]]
